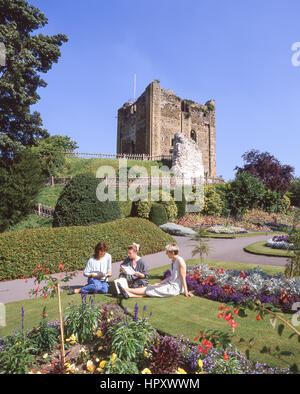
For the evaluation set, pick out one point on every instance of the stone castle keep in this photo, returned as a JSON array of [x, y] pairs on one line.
[[148, 126]]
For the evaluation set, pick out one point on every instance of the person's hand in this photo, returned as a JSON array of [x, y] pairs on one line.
[[122, 269], [138, 274], [189, 294]]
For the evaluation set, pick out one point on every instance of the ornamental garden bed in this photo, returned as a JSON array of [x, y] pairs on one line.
[[261, 248], [196, 319]]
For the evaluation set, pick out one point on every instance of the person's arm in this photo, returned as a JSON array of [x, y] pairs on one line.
[[143, 272], [182, 274], [87, 270]]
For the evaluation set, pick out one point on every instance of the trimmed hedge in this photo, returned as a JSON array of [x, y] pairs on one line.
[[158, 214], [78, 204], [21, 252]]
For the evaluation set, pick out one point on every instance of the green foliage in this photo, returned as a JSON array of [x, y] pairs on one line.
[[213, 203], [158, 214], [18, 355], [181, 205], [78, 204], [130, 337], [245, 192], [82, 320], [201, 247], [32, 221], [284, 204], [43, 337], [27, 56], [119, 367], [292, 268], [294, 190], [49, 149], [21, 252], [270, 201], [168, 202], [21, 180], [143, 209]]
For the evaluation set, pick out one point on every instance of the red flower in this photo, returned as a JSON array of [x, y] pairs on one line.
[[225, 356], [228, 317], [258, 317], [196, 339], [220, 315]]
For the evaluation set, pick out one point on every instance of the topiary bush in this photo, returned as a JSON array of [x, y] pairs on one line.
[[158, 214], [284, 204], [78, 204], [142, 208]]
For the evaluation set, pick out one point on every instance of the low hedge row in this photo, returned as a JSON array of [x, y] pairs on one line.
[[21, 252]]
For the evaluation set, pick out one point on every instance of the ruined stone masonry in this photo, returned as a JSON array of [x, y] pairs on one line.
[[148, 125]]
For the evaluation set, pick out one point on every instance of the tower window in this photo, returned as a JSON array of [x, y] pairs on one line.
[[194, 135]]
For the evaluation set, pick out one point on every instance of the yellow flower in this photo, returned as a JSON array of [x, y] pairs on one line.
[[97, 360], [100, 347], [45, 355], [102, 364], [181, 371], [100, 370], [99, 333], [90, 366], [200, 363], [111, 312], [113, 357], [72, 339], [146, 354], [146, 371]]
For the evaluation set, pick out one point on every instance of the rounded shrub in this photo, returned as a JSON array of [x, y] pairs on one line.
[[213, 204], [78, 204], [158, 214], [284, 204]]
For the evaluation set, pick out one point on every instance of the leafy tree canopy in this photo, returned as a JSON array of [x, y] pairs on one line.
[[27, 55], [268, 169]]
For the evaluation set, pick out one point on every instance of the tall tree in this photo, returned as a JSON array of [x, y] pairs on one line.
[[27, 55], [268, 169]]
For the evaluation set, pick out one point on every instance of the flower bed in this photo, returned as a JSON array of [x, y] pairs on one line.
[[280, 242], [239, 286], [106, 340], [197, 220], [226, 230]]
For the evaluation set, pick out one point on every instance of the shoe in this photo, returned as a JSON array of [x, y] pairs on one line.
[[123, 292]]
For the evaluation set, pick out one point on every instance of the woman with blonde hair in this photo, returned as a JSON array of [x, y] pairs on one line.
[[173, 285]]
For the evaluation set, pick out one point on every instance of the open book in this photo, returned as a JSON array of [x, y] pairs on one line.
[[123, 282]]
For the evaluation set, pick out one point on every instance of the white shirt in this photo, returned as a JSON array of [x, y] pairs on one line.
[[95, 266]]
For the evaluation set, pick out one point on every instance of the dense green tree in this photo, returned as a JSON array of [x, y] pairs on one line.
[[294, 192], [27, 56], [49, 149], [245, 192], [21, 179]]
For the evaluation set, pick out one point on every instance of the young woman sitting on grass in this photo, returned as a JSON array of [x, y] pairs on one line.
[[97, 270], [173, 285], [137, 263]]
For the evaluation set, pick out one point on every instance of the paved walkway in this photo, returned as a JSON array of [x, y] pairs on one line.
[[222, 249]]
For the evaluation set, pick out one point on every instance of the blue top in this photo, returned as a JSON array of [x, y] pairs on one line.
[[95, 266]]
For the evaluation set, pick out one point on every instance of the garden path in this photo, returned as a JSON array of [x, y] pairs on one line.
[[222, 249]]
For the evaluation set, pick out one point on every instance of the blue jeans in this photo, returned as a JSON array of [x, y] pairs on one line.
[[95, 286]]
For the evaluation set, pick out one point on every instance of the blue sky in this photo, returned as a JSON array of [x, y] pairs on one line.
[[235, 52]]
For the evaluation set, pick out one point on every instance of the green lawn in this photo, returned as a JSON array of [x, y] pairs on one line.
[[176, 315], [261, 248], [49, 195]]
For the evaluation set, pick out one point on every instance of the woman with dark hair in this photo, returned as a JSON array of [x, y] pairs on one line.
[[138, 276], [97, 270]]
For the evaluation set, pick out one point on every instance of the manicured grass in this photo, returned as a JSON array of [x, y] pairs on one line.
[[176, 315], [49, 195], [30, 222], [261, 248], [75, 165]]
